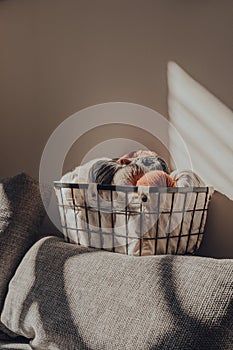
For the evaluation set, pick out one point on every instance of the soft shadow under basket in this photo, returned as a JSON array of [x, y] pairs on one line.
[[134, 220]]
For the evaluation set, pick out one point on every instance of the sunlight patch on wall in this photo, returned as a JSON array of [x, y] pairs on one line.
[[206, 126]]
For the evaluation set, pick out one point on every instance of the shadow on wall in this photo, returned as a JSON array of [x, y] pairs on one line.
[[206, 126], [218, 240], [111, 140]]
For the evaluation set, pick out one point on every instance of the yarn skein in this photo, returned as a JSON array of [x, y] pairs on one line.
[[156, 178]]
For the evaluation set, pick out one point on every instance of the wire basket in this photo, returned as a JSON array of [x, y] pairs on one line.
[[134, 220]]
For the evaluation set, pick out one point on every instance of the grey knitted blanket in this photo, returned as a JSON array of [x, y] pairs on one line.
[[69, 298]]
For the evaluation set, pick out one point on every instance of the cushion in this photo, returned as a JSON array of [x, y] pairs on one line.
[[17, 344], [64, 296], [21, 213]]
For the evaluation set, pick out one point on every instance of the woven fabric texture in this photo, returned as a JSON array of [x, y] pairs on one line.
[[16, 344], [64, 296], [21, 213]]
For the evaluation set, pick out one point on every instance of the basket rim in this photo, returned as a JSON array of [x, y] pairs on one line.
[[150, 189]]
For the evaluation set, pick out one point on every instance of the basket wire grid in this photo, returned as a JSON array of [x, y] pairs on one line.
[[162, 221]]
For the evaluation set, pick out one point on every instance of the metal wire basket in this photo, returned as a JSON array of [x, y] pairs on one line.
[[134, 220]]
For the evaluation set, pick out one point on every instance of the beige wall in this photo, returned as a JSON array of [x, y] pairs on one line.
[[59, 56], [206, 126]]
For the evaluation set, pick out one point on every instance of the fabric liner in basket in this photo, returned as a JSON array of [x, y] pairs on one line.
[[134, 220]]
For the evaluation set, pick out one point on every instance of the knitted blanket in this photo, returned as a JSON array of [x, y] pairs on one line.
[[66, 297]]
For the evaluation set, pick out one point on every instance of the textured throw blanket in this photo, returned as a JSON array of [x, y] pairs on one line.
[[65, 297]]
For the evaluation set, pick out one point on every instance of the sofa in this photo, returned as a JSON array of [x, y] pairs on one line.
[[60, 296]]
